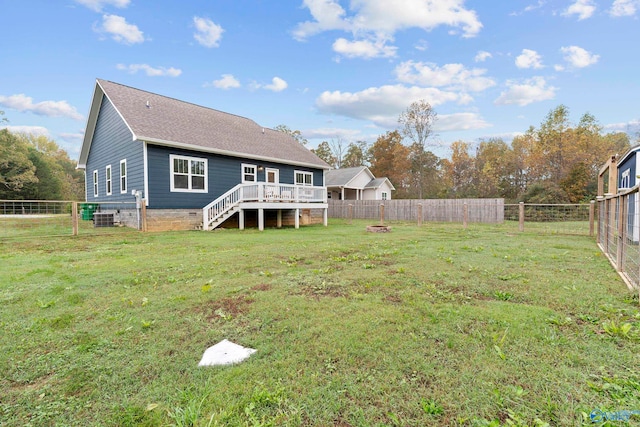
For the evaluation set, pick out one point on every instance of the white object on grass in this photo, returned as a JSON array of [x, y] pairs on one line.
[[225, 353]]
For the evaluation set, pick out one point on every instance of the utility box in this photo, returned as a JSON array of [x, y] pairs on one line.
[[103, 219]]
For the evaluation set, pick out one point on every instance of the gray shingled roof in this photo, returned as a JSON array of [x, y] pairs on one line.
[[160, 119], [341, 177], [375, 183]]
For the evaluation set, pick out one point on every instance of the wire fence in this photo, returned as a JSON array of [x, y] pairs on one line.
[[619, 234], [576, 219], [24, 218], [20, 219]]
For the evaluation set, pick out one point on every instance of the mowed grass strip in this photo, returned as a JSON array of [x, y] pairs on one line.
[[431, 325]]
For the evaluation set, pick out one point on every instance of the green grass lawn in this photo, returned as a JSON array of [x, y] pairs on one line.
[[426, 326]]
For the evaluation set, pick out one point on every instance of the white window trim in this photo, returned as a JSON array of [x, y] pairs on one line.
[[123, 177], [255, 173], [624, 182], [190, 159], [95, 183], [303, 173], [108, 180]]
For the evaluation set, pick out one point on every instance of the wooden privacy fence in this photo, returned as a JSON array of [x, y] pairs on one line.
[[619, 234], [434, 210]]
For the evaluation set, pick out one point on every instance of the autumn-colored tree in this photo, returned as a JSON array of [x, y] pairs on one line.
[[459, 171], [356, 155], [390, 158], [496, 170]]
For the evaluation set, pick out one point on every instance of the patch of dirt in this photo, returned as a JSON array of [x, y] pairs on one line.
[[225, 308], [392, 299], [262, 287]]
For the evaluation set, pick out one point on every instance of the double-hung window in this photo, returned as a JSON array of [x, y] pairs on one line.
[[188, 174], [95, 183], [304, 178], [249, 173], [123, 176], [624, 182], [107, 172]]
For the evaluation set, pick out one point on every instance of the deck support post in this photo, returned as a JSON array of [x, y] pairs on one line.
[[241, 219], [297, 220], [325, 217], [261, 219], [279, 219]]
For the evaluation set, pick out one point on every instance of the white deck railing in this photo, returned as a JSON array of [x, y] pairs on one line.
[[261, 192]]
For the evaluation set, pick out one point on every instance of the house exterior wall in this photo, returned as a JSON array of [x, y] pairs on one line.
[[360, 180], [223, 173], [627, 171], [113, 142]]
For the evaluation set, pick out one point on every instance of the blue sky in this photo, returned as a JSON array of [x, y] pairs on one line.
[[329, 68]]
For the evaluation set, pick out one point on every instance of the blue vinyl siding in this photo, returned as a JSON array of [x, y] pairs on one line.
[[628, 164], [223, 173], [112, 142]]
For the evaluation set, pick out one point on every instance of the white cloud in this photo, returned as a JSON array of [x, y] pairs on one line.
[[459, 121], [578, 57], [453, 76], [208, 33], [33, 130], [624, 8], [25, 103], [529, 8], [277, 85], [98, 5], [149, 70], [482, 56], [383, 104], [328, 133], [583, 8], [228, 81], [365, 49], [120, 30], [72, 136], [559, 67], [383, 17], [531, 90], [529, 59], [631, 126]]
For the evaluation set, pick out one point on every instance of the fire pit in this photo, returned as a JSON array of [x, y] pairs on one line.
[[378, 228]]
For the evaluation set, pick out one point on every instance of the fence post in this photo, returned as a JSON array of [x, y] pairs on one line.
[[381, 214], [350, 214], [74, 218], [622, 228], [521, 216], [465, 215], [143, 214], [419, 214], [592, 216]]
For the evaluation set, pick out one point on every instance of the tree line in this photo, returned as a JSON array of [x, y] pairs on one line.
[[556, 162], [36, 168]]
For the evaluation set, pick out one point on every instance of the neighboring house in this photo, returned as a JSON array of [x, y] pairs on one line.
[[357, 184], [194, 166], [628, 168]]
